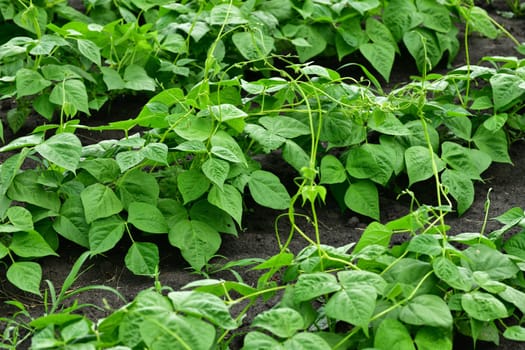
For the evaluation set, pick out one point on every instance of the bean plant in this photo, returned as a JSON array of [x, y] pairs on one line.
[[63, 63], [228, 83]]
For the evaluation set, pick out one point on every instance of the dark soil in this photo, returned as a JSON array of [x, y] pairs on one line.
[[258, 237]]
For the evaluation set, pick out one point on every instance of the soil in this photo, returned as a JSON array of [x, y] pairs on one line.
[[505, 182]]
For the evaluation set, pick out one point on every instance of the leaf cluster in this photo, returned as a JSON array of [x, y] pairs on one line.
[[367, 294], [60, 61]]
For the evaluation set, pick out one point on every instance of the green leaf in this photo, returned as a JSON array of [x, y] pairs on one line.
[[265, 138], [267, 190], [434, 15], [455, 276], [497, 265], [461, 126], [363, 6], [312, 285], [226, 14], [461, 188], [381, 56], [356, 278], [370, 161], [228, 199], [157, 152], [283, 322], [483, 306], [142, 258], [387, 123], [32, 18], [354, 304], [257, 340], [3, 250], [112, 79], [496, 122], [391, 333], [514, 296], [103, 169], [425, 244], [205, 305], [193, 127], [431, 338], [20, 218], [224, 146], [30, 244], [147, 218], [377, 31], [515, 245], [215, 217], [316, 40], [332, 170], [71, 223], [424, 47], [467, 161], [105, 233], [192, 146], [480, 21], [174, 43], [137, 79], [197, 241], [25, 188], [192, 184], [253, 45], [216, 170], [10, 168], [176, 332], [283, 126], [294, 155], [63, 149], [99, 201], [507, 89], [16, 118], [427, 310], [515, 333], [138, 186], [400, 16], [363, 198], [29, 82], [25, 275], [374, 234], [493, 143], [320, 71], [128, 159], [71, 96], [89, 50], [419, 164], [306, 341], [226, 112], [481, 103]]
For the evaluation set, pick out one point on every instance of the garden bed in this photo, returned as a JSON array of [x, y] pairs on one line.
[[260, 234]]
